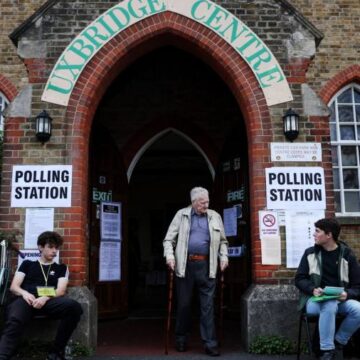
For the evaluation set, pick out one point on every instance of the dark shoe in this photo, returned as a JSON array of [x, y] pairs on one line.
[[212, 351], [328, 355], [339, 351], [180, 346]]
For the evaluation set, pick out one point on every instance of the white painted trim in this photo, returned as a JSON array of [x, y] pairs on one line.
[[241, 38], [150, 142]]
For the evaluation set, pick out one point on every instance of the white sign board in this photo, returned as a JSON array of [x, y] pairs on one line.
[[295, 188], [37, 221], [299, 234], [296, 152], [41, 186]]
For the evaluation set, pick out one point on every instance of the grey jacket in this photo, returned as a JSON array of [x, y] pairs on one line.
[[177, 239]]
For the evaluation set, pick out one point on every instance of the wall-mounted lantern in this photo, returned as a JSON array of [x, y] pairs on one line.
[[43, 127], [291, 124]]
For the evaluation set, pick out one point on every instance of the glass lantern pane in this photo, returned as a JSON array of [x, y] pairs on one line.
[[336, 178], [357, 96], [334, 156], [351, 179], [352, 201], [358, 132], [357, 110], [346, 113], [348, 155], [345, 97], [347, 132], [337, 202]]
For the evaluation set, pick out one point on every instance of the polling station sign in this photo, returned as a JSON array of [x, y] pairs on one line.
[[295, 188], [41, 186]]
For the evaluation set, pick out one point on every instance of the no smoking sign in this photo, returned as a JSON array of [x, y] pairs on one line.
[[268, 223]]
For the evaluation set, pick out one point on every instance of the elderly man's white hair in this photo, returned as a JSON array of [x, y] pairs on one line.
[[198, 192]]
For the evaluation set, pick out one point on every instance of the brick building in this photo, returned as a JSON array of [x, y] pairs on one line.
[[149, 98]]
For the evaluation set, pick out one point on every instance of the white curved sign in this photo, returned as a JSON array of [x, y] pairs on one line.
[[246, 43]]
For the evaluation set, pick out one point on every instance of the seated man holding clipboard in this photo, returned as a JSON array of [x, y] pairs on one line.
[[328, 278], [39, 288]]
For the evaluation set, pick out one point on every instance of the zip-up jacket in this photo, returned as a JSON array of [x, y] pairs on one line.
[[177, 239], [309, 273]]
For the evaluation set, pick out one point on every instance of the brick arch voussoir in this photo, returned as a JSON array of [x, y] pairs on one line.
[[135, 42], [343, 78], [7, 88], [123, 49]]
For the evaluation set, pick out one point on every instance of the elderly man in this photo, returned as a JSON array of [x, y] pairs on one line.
[[193, 244]]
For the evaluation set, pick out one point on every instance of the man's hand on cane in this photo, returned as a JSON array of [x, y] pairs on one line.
[[223, 265], [171, 264]]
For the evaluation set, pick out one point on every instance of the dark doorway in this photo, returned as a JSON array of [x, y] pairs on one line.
[[186, 125]]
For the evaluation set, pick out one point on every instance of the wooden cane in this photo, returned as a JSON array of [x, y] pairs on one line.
[[168, 321], [221, 310]]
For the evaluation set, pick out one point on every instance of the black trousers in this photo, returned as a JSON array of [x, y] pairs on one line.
[[19, 313], [196, 276]]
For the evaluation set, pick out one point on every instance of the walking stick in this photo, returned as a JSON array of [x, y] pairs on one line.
[[168, 321], [221, 312]]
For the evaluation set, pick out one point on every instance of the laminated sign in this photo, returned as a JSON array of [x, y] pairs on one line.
[[295, 188]]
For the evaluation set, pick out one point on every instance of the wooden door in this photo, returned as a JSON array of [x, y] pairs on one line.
[[108, 182], [231, 189]]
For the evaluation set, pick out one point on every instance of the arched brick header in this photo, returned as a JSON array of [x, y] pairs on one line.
[[340, 80], [7, 88], [134, 42]]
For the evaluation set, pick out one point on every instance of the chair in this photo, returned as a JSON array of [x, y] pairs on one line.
[[307, 319]]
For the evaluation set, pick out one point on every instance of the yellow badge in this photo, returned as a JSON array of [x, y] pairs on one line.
[[46, 291]]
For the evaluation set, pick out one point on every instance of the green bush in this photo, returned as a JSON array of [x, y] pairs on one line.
[[272, 345]]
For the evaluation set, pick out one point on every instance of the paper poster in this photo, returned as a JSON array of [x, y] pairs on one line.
[[299, 234], [37, 221], [268, 223], [110, 221], [109, 261], [295, 188], [230, 221], [271, 250], [41, 186]]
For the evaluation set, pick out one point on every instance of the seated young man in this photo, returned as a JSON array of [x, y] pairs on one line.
[[330, 263], [39, 288]]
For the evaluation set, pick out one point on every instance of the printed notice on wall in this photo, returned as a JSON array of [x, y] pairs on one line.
[[270, 238], [109, 261], [271, 250], [41, 185], [295, 188], [37, 220], [110, 221], [299, 234], [296, 152]]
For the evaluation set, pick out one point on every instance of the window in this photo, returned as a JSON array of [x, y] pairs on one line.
[[345, 148], [3, 103]]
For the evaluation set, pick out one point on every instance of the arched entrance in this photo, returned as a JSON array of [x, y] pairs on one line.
[[174, 123]]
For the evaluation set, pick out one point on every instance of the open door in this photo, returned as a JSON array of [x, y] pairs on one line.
[[108, 182]]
